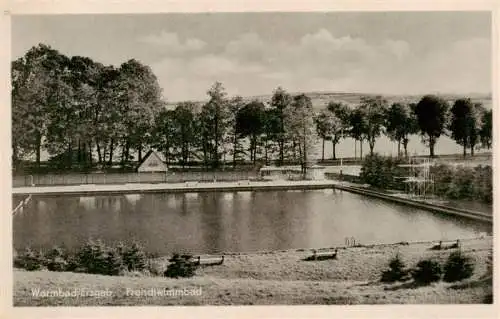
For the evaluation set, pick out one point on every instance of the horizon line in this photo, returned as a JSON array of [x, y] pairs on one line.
[[488, 95]]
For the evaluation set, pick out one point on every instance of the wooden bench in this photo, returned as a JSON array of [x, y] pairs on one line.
[[209, 261], [323, 255]]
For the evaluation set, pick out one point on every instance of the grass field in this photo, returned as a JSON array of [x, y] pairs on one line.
[[280, 277]]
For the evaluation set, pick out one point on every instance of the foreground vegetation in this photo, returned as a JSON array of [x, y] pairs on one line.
[[354, 277]]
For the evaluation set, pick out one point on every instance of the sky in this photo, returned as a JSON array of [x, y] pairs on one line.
[[253, 53]]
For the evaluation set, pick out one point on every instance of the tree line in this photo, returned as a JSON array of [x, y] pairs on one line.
[[468, 123], [86, 114]]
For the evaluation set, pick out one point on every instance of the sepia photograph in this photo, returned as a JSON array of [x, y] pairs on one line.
[[252, 158]]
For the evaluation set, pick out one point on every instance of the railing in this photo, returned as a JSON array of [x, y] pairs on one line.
[[127, 178], [20, 206]]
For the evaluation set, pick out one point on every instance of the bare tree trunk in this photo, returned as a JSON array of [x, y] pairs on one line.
[[405, 145], [371, 144], [89, 146], [38, 148], [79, 153], [432, 143], [124, 151], [99, 155], [111, 151], [235, 141], [323, 150], [266, 147], [361, 149], [69, 156], [355, 148]]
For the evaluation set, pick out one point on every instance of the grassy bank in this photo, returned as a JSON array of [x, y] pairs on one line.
[[275, 278]]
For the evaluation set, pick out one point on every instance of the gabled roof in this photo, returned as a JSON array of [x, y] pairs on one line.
[[148, 154], [144, 158]]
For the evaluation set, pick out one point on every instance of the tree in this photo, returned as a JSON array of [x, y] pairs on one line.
[[431, 114], [235, 105], [164, 133], [464, 125], [358, 125], [250, 122], [280, 101], [107, 113], [299, 124], [183, 130], [485, 132], [339, 123], [323, 123], [140, 101], [374, 109], [84, 82], [272, 129], [37, 84], [475, 127], [214, 117], [400, 123]]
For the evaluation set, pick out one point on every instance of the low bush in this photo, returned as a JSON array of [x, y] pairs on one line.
[[56, 259], [426, 272], [180, 266], [133, 256], [397, 271], [95, 258], [382, 172], [29, 259], [458, 267]]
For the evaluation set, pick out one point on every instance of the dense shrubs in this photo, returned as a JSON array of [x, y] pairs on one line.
[[93, 257], [426, 272], [453, 182], [97, 258], [397, 271], [134, 257], [29, 259], [180, 266], [56, 260], [458, 267], [468, 183], [381, 172]]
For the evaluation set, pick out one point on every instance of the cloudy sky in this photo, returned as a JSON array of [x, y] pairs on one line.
[[253, 53]]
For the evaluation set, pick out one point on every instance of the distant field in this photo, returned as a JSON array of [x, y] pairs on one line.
[[321, 99]]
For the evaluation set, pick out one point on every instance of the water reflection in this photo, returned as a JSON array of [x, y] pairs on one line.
[[236, 221]]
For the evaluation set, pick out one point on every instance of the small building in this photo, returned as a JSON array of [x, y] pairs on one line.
[[152, 162]]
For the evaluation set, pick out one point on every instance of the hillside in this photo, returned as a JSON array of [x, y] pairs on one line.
[[321, 99]]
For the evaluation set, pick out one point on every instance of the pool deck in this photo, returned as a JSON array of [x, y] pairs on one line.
[[172, 187], [242, 186]]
